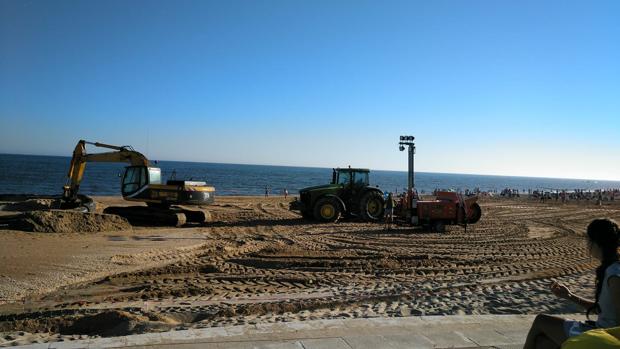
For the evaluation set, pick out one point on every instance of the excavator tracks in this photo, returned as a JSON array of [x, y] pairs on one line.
[[153, 216]]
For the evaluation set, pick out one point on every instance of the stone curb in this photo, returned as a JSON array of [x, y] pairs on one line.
[[454, 331]]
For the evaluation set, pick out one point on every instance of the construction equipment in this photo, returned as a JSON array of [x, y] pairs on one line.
[[141, 182], [349, 193], [446, 209]]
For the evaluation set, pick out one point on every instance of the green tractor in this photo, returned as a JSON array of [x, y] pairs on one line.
[[348, 194]]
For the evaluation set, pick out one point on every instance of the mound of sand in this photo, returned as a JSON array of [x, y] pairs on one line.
[[114, 323], [29, 205], [60, 221]]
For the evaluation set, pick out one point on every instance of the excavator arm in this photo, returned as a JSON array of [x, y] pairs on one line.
[[80, 158]]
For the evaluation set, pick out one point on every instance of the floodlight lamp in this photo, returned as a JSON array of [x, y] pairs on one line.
[[402, 138], [401, 147]]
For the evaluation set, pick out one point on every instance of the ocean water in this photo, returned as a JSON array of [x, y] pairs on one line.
[[47, 174]]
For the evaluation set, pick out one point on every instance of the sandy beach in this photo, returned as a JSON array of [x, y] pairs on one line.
[[259, 262]]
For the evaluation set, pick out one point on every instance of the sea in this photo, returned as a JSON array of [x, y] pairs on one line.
[[46, 175]]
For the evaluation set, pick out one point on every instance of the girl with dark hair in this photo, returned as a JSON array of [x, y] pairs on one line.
[[551, 331]]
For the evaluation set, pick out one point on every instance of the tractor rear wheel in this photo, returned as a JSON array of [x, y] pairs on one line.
[[327, 210], [475, 214], [371, 206]]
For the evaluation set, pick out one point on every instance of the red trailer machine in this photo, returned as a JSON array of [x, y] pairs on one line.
[[448, 208]]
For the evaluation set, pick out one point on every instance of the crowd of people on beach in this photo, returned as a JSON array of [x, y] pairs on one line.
[[543, 195], [597, 195]]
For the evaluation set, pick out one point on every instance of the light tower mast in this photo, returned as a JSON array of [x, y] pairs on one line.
[[408, 141]]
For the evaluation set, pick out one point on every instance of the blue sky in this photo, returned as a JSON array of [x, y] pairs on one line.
[[492, 87]]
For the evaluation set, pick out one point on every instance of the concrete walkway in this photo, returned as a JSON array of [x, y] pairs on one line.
[[470, 331]]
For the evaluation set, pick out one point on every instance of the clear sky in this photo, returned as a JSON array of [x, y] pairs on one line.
[[490, 87]]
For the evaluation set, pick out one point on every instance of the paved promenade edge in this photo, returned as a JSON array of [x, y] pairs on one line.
[[454, 331]]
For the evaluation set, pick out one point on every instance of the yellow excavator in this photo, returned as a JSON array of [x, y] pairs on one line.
[[141, 182]]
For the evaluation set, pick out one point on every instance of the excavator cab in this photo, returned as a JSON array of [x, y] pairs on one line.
[[136, 178]]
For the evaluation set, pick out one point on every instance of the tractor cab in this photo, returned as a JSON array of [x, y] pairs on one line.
[[136, 178], [346, 177]]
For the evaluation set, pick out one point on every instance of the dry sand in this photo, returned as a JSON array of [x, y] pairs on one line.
[[260, 262]]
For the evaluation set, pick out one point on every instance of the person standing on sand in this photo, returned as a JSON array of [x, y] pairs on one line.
[[266, 191], [389, 211], [549, 331], [285, 193]]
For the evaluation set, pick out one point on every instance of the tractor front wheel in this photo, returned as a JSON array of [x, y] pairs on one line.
[[327, 210], [371, 206]]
